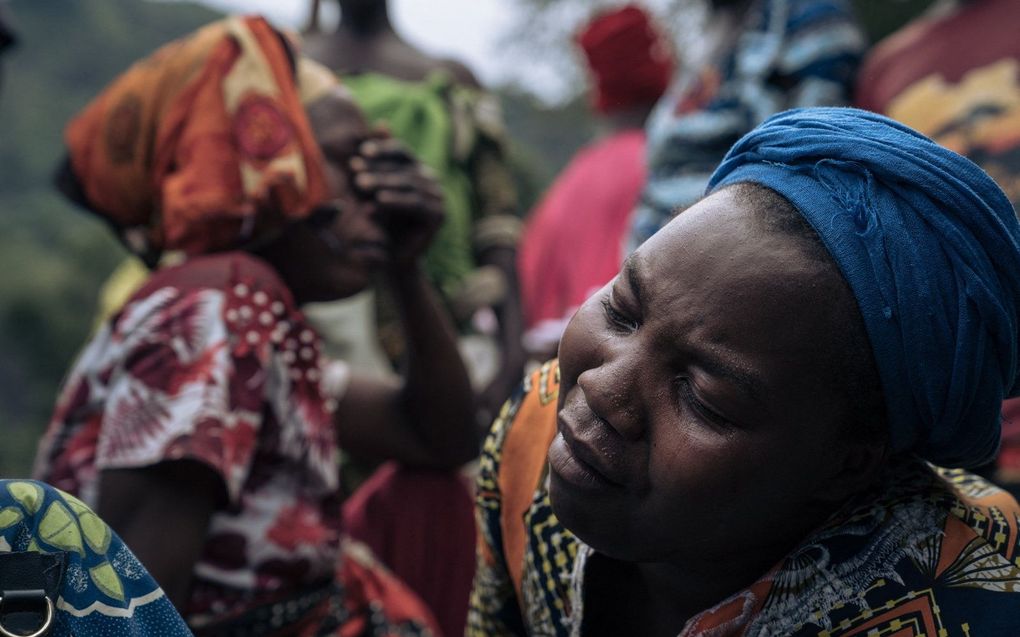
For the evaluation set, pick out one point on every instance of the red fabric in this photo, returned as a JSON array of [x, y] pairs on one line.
[[573, 240], [630, 60], [421, 525], [211, 361], [949, 47]]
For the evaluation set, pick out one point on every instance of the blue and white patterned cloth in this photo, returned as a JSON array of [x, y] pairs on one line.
[[787, 54], [105, 590]]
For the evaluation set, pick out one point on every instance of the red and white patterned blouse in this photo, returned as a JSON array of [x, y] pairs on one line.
[[211, 361]]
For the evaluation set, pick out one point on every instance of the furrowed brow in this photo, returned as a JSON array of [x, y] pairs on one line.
[[632, 271], [749, 382]]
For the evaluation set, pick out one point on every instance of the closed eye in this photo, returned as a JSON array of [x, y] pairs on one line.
[[617, 319], [703, 411]]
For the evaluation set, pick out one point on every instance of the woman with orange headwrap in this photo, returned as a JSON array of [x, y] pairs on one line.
[[202, 420]]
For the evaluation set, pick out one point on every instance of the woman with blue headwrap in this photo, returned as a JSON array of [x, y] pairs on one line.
[[760, 426]]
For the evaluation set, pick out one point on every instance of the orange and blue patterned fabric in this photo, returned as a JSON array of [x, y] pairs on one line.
[[201, 146], [105, 590], [928, 551]]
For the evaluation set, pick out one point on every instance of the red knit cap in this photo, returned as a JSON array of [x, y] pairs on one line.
[[630, 59]]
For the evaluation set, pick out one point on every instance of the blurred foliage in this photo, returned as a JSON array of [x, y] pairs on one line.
[[53, 256], [544, 138]]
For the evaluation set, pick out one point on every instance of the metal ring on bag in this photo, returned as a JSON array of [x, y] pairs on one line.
[[42, 630]]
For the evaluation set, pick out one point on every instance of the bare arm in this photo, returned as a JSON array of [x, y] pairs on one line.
[[428, 420], [162, 513]]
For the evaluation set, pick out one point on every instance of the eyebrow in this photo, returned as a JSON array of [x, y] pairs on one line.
[[749, 382], [713, 364]]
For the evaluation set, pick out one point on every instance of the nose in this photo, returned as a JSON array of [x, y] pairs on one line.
[[613, 391]]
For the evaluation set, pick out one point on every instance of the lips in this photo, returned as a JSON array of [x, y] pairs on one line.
[[584, 454]]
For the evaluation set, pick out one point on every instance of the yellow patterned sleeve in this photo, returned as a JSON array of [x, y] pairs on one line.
[[494, 610]]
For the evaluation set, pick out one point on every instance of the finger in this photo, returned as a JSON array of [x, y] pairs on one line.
[[385, 198], [372, 181], [387, 149], [427, 196], [369, 182], [394, 204], [358, 164], [361, 165]]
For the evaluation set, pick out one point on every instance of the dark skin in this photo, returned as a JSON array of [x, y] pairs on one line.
[[389, 209], [364, 42], [698, 410]]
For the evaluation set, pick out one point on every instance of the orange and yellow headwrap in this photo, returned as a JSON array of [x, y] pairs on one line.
[[205, 144]]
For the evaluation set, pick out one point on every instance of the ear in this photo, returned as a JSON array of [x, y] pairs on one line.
[[855, 467]]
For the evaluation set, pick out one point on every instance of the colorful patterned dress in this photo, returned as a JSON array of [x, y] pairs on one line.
[[105, 590], [211, 362], [930, 552]]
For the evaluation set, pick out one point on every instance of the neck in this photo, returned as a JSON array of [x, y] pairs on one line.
[[689, 585], [365, 20], [681, 594]]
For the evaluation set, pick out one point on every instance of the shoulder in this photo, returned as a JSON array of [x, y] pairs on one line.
[[225, 292], [235, 274], [525, 425], [218, 271], [427, 64], [461, 73], [510, 476], [928, 539]]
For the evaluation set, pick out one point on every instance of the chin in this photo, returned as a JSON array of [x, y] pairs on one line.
[[606, 527], [344, 284], [335, 291]]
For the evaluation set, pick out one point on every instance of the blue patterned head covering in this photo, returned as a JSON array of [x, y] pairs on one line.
[[930, 246]]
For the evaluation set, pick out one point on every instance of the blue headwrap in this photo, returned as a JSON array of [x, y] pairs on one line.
[[930, 246]]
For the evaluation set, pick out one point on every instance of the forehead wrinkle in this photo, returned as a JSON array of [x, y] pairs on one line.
[[725, 365], [688, 334]]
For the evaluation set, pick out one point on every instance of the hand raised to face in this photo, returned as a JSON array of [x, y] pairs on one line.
[[405, 197]]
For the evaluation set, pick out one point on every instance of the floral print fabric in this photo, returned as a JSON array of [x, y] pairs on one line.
[[211, 361]]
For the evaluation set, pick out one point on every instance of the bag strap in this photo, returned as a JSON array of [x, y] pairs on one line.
[[29, 587]]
